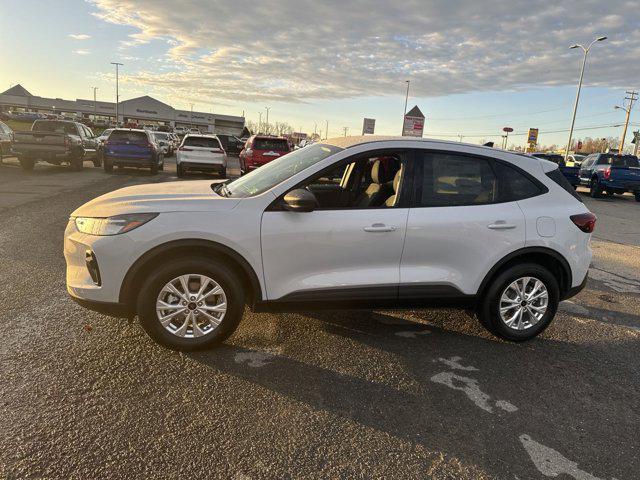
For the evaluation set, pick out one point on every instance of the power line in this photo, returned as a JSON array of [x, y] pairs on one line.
[[493, 134]]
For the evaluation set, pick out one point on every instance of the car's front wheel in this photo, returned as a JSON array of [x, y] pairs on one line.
[[520, 303], [192, 303]]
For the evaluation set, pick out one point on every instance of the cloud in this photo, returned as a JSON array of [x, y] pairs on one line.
[[79, 36], [297, 51], [82, 52]]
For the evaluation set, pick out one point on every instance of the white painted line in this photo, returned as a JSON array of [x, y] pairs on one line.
[[469, 387], [551, 463], [254, 359], [454, 362], [412, 334]]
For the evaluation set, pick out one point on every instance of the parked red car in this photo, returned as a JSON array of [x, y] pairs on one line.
[[261, 149]]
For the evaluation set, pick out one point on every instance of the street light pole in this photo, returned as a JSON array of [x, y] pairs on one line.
[[191, 117], [406, 100], [267, 120], [260, 122], [575, 106], [117, 91], [95, 107]]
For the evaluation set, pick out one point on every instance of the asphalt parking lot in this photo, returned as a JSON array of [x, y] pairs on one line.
[[410, 394]]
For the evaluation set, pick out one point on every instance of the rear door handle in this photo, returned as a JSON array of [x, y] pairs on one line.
[[380, 227], [501, 225]]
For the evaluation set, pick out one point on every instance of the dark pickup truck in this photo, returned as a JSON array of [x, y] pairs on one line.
[[56, 142], [610, 173], [570, 173]]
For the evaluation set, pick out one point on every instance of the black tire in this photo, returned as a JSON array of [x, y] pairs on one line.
[[223, 173], [154, 168], [77, 164], [595, 190], [609, 193], [180, 170], [97, 162], [108, 165], [637, 195], [27, 164], [488, 308], [158, 278]]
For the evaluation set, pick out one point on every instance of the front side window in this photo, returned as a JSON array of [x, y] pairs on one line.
[[277, 171], [455, 180]]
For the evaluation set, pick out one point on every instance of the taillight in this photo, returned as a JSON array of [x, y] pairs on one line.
[[606, 173], [217, 150], [67, 143], [584, 221], [185, 149]]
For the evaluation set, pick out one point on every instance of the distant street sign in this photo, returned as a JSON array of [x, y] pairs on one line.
[[413, 123], [507, 129], [533, 135], [368, 126]]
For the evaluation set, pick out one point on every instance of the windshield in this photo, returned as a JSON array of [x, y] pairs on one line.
[[277, 144], [204, 142], [619, 161], [277, 171]]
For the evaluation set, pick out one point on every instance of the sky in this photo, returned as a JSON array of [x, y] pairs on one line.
[[474, 67]]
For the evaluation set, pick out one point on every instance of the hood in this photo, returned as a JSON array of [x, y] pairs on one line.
[[185, 196]]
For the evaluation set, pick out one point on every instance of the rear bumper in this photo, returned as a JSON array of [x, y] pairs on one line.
[[131, 162], [573, 291], [629, 186], [209, 167]]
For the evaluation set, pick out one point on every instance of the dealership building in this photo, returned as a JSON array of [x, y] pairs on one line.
[[141, 110]]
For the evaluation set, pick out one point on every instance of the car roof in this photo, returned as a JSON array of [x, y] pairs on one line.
[[353, 141], [122, 129]]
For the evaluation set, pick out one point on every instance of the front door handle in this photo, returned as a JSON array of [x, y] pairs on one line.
[[501, 225], [380, 227]]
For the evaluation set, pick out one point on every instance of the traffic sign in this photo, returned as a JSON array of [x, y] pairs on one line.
[[368, 126]]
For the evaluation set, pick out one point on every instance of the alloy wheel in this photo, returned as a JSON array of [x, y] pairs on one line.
[[191, 306], [523, 303]]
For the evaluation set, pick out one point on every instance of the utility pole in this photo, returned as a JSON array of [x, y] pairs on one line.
[[345, 129], [326, 131], [632, 96], [191, 117], [95, 107], [259, 122], [575, 106], [117, 92], [406, 100], [460, 138], [267, 120]]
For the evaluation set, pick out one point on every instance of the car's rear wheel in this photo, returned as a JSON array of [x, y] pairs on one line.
[[595, 190], [520, 303], [27, 163], [108, 165], [223, 173], [192, 303], [180, 170]]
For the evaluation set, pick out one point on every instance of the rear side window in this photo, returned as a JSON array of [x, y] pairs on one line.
[[455, 180], [276, 144], [128, 136], [619, 161], [514, 185], [204, 142], [557, 176]]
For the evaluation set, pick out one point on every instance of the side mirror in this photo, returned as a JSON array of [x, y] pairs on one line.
[[300, 200]]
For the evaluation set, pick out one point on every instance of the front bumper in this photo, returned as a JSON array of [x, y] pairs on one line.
[[112, 309]]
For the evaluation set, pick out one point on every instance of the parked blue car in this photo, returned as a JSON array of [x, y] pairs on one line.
[[570, 173], [610, 173], [128, 147]]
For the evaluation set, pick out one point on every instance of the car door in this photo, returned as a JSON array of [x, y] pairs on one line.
[[334, 253], [457, 226]]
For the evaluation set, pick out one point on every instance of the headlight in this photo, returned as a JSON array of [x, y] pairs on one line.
[[112, 225]]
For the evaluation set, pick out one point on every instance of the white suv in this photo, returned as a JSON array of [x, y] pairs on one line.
[[360, 222], [202, 153]]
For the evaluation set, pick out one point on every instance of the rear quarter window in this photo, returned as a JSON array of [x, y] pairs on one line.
[[515, 185], [557, 176]]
